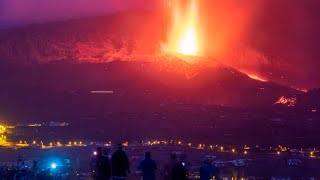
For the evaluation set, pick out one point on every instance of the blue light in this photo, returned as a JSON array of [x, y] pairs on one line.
[[53, 165]]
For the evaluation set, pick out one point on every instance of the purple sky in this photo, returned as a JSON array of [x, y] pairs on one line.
[[13, 12]]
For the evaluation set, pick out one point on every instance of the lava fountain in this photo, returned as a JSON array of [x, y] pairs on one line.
[[183, 35], [188, 43]]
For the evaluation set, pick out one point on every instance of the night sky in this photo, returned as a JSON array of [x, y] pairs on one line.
[[16, 12]]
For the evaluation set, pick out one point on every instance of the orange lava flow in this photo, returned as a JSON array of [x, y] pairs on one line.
[[288, 101], [255, 77]]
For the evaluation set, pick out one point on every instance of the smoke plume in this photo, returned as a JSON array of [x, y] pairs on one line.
[[17, 12]]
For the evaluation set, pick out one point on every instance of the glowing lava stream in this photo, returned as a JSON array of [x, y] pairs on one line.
[[183, 38], [255, 77]]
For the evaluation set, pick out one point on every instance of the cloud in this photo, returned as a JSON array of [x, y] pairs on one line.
[[285, 33], [15, 12]]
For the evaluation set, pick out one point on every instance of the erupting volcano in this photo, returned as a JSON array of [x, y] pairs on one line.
[[184, 39], [183, 33]]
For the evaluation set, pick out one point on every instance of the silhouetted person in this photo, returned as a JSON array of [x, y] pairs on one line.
[[179, 171], [34, 168], [187, 164], [19, 161], [216, 172], [167, 170], [148, 167], [120, 164], [102, 166], [206, 170]]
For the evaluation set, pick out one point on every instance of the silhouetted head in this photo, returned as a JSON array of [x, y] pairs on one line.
[[207, 161], [183, 157], [120, 146], [148, 155], [99, 151], [173, 156]]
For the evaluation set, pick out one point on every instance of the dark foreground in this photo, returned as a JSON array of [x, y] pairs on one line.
[[254, 163]]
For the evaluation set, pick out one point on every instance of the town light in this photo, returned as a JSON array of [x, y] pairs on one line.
[[312, 154], [53, 165]]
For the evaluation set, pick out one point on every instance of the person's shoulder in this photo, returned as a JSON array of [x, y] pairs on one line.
[[177, 165], [180, 166], [117, 152], [120, 151], [115, 155]]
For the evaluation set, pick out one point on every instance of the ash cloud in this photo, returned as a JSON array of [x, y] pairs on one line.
[[19, 12], [289, 29], [277, 39]]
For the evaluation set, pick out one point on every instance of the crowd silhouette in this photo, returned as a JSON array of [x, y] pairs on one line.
[[117, 167]]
